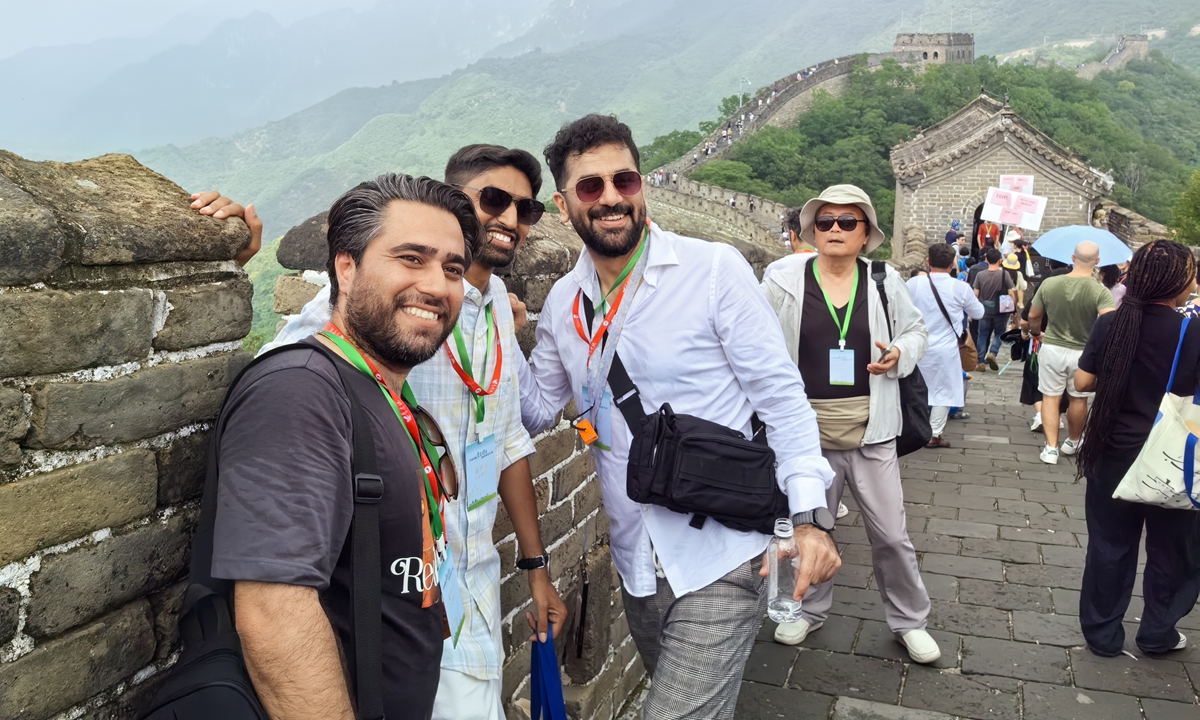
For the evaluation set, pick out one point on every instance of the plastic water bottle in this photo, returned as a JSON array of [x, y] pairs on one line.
[[783, 557]]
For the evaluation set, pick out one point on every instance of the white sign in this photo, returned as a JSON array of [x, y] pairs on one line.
[[1013, 208], [1017, 183]]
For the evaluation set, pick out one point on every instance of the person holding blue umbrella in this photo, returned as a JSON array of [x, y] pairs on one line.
[[1072, 302]]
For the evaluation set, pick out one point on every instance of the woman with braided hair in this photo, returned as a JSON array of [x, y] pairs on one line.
[[1127, 362]]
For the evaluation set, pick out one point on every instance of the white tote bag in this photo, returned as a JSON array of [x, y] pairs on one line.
[[1164, 471]]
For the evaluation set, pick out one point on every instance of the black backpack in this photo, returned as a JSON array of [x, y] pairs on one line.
[[914, 393], [210, 679]]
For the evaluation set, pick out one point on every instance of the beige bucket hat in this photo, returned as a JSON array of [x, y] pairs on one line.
[[840, 195]]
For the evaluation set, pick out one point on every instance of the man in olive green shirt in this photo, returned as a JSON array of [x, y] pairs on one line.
[[1071, 303]]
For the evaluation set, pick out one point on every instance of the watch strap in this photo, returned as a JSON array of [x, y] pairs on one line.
[[533, 563]]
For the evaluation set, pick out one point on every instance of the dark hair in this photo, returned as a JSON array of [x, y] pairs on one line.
[[993, 256], [1110, 275], [941, 256], [357, 217], [475, 159], [964, 251], [972, 262], [1160, 271], [792, 221], [587, 133]]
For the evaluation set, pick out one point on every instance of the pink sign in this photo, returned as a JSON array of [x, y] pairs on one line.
[[1026, 203], [1011, 217], [1017, 183], [1001, 198], [1014, 209]]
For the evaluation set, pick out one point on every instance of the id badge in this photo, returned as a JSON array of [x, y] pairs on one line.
[[482, 478], [841, 367], [603, 415], [451, 598]]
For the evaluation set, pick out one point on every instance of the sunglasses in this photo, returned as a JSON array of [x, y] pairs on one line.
[[589, 189], [447, 473], [494, 201], [845, 222]]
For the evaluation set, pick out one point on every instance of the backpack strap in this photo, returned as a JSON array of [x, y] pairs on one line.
[[879, 274], [366, 589], [961, 337]]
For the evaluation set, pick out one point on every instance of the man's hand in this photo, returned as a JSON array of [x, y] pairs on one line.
[[549, 606], [520, 314], [220, 207], [819, 558], [886, 362]]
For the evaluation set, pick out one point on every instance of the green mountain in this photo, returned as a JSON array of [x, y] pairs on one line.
[[661, 65]]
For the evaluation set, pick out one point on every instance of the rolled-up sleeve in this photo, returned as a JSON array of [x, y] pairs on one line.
[[753, 342]]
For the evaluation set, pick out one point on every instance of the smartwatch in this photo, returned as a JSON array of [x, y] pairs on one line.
[[820, 518], [533, 563]]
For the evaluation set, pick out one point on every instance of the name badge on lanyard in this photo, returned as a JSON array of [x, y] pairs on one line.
[[841, 360], [451, 597], [482, 479]]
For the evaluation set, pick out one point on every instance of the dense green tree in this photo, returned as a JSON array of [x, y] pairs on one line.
[[729, 106], [1185, 216], [666, 148]]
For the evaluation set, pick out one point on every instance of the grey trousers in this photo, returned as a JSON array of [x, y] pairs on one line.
[[695, 647], [872, 473]]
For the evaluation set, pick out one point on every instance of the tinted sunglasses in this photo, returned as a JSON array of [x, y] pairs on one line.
[[494, 201], [845, 222], [447, 473], [589, 189]]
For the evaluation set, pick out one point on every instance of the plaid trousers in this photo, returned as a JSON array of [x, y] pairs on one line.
[[695, 647]]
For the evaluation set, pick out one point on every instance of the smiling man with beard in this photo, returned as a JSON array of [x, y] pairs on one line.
[[693, 331], [470, 388], [398, 249]]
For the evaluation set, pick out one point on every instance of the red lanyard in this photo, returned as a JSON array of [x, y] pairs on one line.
[[406, 416], [612, 312], [476, 390]]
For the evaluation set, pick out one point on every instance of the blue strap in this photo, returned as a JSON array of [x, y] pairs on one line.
[[1189, 468], [1178, 350], [545, 686]]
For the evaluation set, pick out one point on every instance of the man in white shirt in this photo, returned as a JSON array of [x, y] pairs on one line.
[[483, 429], [941, 366], [692, 331]]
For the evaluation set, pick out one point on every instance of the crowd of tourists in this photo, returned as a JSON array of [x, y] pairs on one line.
[[413, 345]]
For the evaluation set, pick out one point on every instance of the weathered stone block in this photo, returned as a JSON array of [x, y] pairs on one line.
[[10, 601], [145, 403], [304, 247], [14, 423], [207, 314], [63, 672], [113, 210], [75, 586], [572, 475], [550, 249], [166, 606], [57, 506], [598, 623], [181, 468], [54, 331], [551, 450], [536, 290], [292, 293], [30, 241]]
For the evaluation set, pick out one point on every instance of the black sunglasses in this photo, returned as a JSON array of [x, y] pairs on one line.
[[494, 201], [845, 222]]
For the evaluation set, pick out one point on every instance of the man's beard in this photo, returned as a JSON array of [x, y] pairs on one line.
[[493, 256], [610, 243], [371, 320]]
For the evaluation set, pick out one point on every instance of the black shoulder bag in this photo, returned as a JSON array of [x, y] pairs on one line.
[[692, 465], [914, 394], [210, 679]]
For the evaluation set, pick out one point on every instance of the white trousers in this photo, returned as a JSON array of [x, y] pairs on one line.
[[937, 419], [462, 697]]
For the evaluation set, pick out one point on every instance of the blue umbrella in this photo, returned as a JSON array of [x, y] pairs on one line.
[[1059, 244]]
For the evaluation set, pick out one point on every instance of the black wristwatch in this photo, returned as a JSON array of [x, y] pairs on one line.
[[533, 563], [819, 517]]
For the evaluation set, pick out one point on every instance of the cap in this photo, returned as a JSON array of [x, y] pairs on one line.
[[841, 195]]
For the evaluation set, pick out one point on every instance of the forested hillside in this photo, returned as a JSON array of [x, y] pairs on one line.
[[1142, 123]]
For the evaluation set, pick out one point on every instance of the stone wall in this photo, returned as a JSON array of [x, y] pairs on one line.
[[1136, 230], [121, 315], [1128, 48], [600, 680]]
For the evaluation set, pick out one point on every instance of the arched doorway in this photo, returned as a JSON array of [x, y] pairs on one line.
[[976, 222]]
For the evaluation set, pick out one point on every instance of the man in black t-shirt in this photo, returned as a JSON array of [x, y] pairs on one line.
[[285, 499]]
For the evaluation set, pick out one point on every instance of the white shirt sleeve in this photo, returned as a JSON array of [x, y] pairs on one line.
[[312, 319], [545, 384]]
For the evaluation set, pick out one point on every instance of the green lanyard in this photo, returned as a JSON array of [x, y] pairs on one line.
[[624, 273], [843, 327], [406, 394], [465, 359]]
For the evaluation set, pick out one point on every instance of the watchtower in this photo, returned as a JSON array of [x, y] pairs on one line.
[[935, 48]]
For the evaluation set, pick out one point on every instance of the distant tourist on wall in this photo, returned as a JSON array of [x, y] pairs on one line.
[[953, 234]]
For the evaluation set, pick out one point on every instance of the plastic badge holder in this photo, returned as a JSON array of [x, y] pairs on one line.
[[545, 686]]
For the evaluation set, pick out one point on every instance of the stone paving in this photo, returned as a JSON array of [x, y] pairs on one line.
[[1000, 537]]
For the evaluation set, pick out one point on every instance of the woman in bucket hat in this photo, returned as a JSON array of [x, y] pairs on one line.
[[836, 329]]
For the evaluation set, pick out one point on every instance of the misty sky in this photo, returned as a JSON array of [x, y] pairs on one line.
[[25, 24]]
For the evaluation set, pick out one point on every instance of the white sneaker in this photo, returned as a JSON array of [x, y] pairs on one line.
[[843, 511], [922, 648], [1182, 641], [1037, 423], [1069, 447], [793, 633], [1050, 455]]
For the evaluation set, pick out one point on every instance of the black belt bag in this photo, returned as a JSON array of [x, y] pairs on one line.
[[695, 466]]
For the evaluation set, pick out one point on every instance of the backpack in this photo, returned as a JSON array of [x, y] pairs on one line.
[[210, 678]]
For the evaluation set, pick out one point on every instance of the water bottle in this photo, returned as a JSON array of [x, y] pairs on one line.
[[783, 558]]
